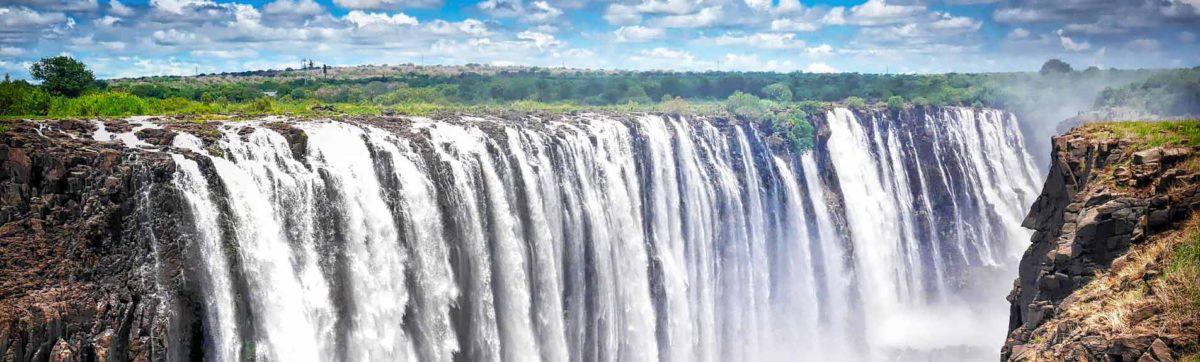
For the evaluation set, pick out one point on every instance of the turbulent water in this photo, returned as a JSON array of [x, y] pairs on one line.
[[595, 238]]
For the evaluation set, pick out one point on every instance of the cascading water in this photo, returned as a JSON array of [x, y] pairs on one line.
[[597, 238]]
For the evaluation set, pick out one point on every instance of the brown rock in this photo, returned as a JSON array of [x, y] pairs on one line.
[[1161, 352]]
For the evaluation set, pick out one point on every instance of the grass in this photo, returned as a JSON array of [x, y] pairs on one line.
[[1150, 134]]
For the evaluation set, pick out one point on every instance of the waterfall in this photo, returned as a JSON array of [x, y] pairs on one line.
[[600, 237]]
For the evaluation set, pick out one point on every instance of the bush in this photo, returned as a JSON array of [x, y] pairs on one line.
[[262, 104], [100, 104], [855, 102], [779, 92], [746, 106], [23, 99], [895, 103], [674, 105]]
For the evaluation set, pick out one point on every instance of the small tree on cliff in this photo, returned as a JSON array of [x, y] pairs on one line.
[[62, 75]]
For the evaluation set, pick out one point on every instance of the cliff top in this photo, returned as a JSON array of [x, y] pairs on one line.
[[1113, 272], [1146, 134]]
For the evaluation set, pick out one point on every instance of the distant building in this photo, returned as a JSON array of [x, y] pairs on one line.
[[271, 94]]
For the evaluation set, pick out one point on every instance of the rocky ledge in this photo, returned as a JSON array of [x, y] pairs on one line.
[[1096, 284]]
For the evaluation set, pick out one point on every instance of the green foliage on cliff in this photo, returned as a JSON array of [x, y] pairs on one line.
[[788, 120], [1150, 134]]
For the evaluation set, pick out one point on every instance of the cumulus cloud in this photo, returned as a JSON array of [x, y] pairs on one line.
[[293, 7], [820, 68], [793, 25], [619, 14], [386, 4], [704, 18], [761, 40], [115, 7], [539, 39], [363, 19], [172, 37], [1071, 44], [634, 34], [820, 49], [57, 5], [879, 12]]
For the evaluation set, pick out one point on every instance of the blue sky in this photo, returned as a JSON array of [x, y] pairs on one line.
[[142, 37]]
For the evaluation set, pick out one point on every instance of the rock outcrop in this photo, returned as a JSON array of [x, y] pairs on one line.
[[76, 278], [1105, 225]]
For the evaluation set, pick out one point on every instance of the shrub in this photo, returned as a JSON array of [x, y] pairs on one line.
[[855, 102], [746, 106], [674, 105], [262, 104], [105, 104], [780, 92], [23, 99], [895, 103]]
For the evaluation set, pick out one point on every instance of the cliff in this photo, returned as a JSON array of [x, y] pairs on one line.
[[1111, 273]]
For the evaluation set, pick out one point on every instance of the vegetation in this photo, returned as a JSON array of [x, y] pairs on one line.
[[1053, 66], [62, 75], [1150, 134], [1171, 93]]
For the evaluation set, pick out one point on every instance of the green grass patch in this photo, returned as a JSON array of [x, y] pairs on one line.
[[1151, 134]]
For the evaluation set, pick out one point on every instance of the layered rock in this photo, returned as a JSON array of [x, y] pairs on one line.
[[1103, 227]]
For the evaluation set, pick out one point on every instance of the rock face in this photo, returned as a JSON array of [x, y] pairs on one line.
[[1103, 198], [76, 283]]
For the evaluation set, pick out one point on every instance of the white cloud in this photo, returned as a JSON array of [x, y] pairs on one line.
[[386, 4], [172, 37], [362, 19], [819, 68], [10, 52], [1071, 44], [57, 5], [634, 34], [224, 54], [470, 27], [115, 7], [751, 62], [541, 12], [674, 7], [1018, 33], [107, 21], [502, 8], [667, 53], [178, 6], [1187, 37], [949, 22], [761, 40], [820, 49], [1021, 15], [293, 7], [879, 12], [793, 25], [706, 17], [539, 39], [835, 16], [758, 4], [21, 18], [618, 14]]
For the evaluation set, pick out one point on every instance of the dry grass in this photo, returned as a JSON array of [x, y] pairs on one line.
[[1152, 290]]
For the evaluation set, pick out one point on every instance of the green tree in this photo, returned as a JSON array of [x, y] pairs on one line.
[[895, 103], [1055, 66], [62, 75], [855, 102], [780, 92], [746, 106]]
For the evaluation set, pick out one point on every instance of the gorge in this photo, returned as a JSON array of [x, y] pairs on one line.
[[585, 236]]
